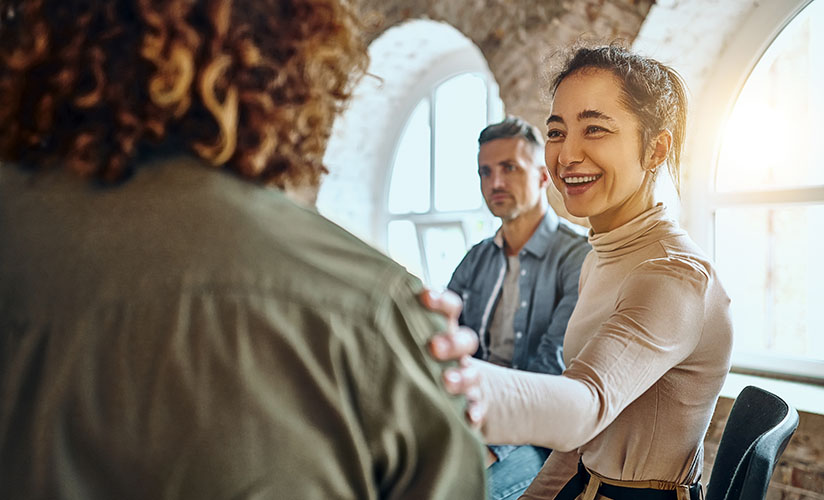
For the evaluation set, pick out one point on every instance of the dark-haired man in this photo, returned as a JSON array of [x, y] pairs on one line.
[[520, 286]]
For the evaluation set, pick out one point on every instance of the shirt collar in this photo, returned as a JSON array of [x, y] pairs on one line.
[[539, 241]]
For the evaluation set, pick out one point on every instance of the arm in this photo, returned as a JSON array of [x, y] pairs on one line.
[[656, 324], [549, 357]]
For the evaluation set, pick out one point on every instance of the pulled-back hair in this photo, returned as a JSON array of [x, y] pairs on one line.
[[249, 85], [652, 91]]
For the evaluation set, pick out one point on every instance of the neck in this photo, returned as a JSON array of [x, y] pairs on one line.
[[519, 230]]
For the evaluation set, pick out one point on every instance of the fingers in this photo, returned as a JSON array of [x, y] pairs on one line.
[[454, 345], [457, 343], [463, 379], [447, 303], [466, 379]]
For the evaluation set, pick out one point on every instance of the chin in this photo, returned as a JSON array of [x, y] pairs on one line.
[[577, 210]]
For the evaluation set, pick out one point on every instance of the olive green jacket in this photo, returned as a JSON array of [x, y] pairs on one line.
[[189, 334]]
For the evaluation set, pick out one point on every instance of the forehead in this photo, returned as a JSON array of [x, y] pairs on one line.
[[589, 89]]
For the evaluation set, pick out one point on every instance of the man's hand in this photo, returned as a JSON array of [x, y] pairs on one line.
[[457, 343]]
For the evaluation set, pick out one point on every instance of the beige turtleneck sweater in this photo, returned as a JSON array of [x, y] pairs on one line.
[[647, 350]]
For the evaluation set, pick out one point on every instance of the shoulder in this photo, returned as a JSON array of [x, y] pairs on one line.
[[571, 235], [481, 252], [678, 272], [570, 241], [573, 231]]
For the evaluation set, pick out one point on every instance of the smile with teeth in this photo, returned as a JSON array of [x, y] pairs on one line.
[[583, 179]]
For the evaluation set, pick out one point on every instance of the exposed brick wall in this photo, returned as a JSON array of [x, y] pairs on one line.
[[799, 474], [516, 36]]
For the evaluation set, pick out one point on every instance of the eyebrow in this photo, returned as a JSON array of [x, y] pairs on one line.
[[554, 118], [587, 113], [594, 113]]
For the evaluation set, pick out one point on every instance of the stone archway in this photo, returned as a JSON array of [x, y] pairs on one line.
[[516, 36]]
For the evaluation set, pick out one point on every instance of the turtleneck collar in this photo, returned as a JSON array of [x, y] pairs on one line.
[[648, 227]]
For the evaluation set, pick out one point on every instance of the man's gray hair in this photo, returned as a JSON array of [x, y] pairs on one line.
[[512, 126]]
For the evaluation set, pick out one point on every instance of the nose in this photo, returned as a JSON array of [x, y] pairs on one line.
[[496, 179], [570, 152]]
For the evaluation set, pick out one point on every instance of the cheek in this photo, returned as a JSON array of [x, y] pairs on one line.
[[551, 161], [551, 156]]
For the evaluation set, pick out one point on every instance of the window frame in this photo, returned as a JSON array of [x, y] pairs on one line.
[[716, 102], [453, 64]]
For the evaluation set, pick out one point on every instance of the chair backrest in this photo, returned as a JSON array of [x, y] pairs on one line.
[[758, 429]]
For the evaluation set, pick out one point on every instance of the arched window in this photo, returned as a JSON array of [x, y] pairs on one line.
[[403, 156], [435, 210], [768, 205]]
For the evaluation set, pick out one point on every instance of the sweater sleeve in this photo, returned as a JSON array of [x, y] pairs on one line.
[[656, 323]]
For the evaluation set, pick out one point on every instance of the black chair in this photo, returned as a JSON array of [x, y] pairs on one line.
[[758, 429]]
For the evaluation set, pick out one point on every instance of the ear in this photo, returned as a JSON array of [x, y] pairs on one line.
[[543, 175], [659, 149]]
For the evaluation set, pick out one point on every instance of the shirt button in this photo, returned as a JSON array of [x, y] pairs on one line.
[[515, 367], [523, 272], [465, 295], [519, 335], [523, 304]]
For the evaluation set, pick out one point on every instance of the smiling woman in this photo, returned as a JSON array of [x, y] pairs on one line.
[[590, 122], [648, 346], [600, 110]]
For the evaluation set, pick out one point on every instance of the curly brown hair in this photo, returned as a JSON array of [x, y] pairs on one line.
[[249, 85]]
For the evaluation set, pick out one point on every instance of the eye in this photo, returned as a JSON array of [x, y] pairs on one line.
[[555, 135], [595, 130], [483, 171], [509, 167]]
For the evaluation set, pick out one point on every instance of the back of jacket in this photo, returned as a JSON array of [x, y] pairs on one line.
[[192, 335]]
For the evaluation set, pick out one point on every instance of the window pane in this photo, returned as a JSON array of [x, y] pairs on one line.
[[460, 115], [445, 246], [403, 246], [409, 187], [772, 137], [770, 262], [479, 226]]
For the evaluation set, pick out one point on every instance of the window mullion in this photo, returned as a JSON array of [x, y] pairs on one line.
[[432, 134]]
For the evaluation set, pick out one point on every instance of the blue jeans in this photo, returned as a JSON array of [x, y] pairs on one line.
[[509, 478]]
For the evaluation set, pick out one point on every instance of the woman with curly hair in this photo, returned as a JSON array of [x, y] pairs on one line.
[[171, 326]]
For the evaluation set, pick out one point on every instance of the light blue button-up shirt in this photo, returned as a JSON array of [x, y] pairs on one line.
[[548, 287]]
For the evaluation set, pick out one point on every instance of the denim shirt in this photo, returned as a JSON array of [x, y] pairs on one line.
[[548, 289], [550, 267]]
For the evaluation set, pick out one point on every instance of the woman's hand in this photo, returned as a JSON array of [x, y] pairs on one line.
[[457, 343]]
